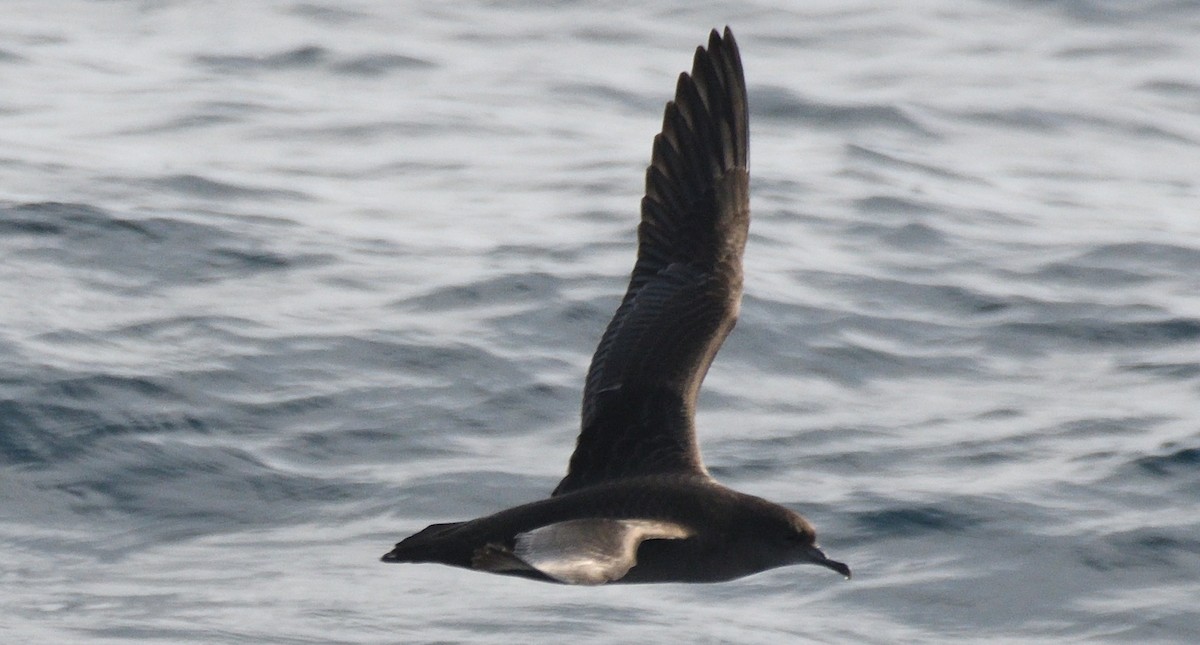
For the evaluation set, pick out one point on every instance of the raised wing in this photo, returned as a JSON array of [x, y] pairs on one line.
[[640, 396]]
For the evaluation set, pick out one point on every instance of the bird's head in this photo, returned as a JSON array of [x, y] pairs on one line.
[[787, 538]]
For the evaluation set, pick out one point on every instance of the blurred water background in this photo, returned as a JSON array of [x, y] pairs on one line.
[[281, 282]]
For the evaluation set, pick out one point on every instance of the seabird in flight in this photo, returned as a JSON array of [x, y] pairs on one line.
[[637, 503]]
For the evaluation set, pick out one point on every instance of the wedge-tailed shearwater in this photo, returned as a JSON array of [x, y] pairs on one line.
[[637, 503]]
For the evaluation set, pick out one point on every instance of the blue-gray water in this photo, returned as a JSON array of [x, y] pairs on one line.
[[283, 282]]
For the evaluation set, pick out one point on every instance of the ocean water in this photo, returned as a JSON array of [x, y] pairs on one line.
[[283, 282]]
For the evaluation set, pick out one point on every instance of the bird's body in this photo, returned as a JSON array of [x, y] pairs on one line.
[[717, 539], [637, 504]]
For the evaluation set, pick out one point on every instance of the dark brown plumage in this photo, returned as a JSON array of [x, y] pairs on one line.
[[637, 504]]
